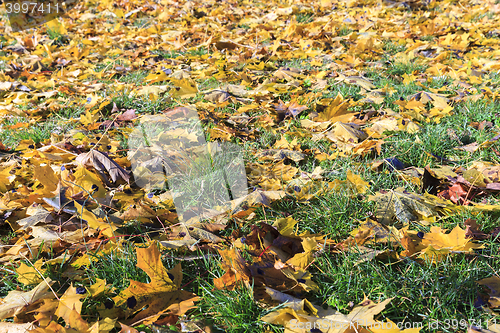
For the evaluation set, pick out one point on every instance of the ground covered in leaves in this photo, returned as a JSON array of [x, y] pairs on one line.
[[365, 131]]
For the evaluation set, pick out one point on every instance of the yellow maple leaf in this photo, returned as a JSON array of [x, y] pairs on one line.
[[438, 245], [69, 303], [357, 183], [89, 118], [454, 241], [28, 274], [407, 79], [88, 181], [46, 176], [158, 76], [337, 111], [148, 301]]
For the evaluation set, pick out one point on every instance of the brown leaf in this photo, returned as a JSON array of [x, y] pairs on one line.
[[409, 246], [236, 269], [102, 162], [473, 231]]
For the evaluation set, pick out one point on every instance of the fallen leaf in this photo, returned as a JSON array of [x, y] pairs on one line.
[[101, 162]]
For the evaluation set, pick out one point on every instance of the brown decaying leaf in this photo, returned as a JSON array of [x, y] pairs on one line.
[[101, 162], [17, 301]]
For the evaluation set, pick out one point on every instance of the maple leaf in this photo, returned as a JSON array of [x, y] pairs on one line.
[[70, 303], [160, 296], [455, 240], [345, 133], [30, 274], [184, 88], [101, 162], [279, 261], [371, 231], [436, 245], [236, 269]]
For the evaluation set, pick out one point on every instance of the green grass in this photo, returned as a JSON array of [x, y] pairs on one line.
[[304, 17], [142, 104], [391, 48], [435, 139], [175, 54], [344, 31], [232, 311], [58, 38]]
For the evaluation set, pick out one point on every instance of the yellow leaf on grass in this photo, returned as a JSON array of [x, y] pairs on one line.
[[157, 76], [46, 176], [285, 225], [304, 259], [357, 183], [345, 133], [184, 88], [107, 228], [301, 260], [97, 288], [434, 255], [454, 241], [437, 245], [383, 125], [27, 274], [88, 258], [407, 79], [236, 270], [56, 26]]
